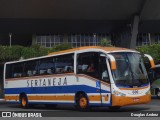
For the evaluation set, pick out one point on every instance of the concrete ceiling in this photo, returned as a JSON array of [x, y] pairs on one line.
[[80, 9], [27, 13]]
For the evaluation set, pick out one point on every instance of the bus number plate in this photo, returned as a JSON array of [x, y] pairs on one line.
[[135, 99], [135, 92]]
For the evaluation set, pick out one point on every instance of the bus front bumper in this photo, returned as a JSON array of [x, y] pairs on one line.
[[124, 100]]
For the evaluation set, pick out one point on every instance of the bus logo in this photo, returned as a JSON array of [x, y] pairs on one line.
[[97, 84], [6, 114]]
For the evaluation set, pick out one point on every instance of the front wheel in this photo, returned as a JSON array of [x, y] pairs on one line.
[[82, 103]]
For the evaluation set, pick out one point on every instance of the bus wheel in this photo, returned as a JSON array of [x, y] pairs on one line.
[[24, 101], [114, 108], [158, 94], [82, 103]]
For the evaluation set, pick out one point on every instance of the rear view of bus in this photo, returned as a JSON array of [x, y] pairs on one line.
[[130, 84]]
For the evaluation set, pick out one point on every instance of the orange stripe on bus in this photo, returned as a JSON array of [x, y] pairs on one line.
[[124, 100], [51, 97], [95, 98], [65, 97], [16, 98]]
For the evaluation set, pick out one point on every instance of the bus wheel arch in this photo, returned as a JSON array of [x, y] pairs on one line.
[[82, 101], [23, 100]]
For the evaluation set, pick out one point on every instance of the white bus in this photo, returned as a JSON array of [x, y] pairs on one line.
[[84, 77]]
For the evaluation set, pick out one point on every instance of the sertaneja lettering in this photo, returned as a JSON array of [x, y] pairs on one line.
[[59, 83], [44, 82], [47, 82]]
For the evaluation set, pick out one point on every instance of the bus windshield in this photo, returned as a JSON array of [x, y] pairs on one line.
[[130, 70]]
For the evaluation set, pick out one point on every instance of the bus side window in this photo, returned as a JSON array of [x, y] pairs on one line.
[[46, 66], [30, 68], [87, 63], [34, 72], [49, 71], [29, 73], [64, 64], [18, 69]]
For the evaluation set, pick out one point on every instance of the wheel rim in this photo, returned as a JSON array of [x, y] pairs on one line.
[[23, 102], [83, 102]]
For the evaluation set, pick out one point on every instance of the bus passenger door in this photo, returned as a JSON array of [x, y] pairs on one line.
[[88, 75], [105, 85]]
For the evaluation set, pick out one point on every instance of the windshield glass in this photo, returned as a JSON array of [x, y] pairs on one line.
[[130, 70]]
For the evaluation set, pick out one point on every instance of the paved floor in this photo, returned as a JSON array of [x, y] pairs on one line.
[[153, 106]]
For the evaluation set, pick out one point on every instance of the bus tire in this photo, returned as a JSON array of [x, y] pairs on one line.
[[114, 108], [82, 103], [24, 101]]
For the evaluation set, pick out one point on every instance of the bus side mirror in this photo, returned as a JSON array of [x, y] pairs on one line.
[[151, 60], [113, 62]]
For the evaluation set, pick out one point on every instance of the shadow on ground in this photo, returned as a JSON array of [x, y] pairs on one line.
[[72, 108]]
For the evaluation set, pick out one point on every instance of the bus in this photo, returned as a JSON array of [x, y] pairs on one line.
[[154, 76], [117, 78]]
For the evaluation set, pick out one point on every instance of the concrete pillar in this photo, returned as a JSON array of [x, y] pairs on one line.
[[134, 32]]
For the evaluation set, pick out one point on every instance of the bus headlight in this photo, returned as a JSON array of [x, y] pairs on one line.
[[148, 92], [117, 93]]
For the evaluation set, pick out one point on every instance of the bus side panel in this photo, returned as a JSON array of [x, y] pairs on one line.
[[55, 89]]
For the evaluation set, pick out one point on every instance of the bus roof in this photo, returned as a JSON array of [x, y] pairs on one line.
[[107, 49]]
